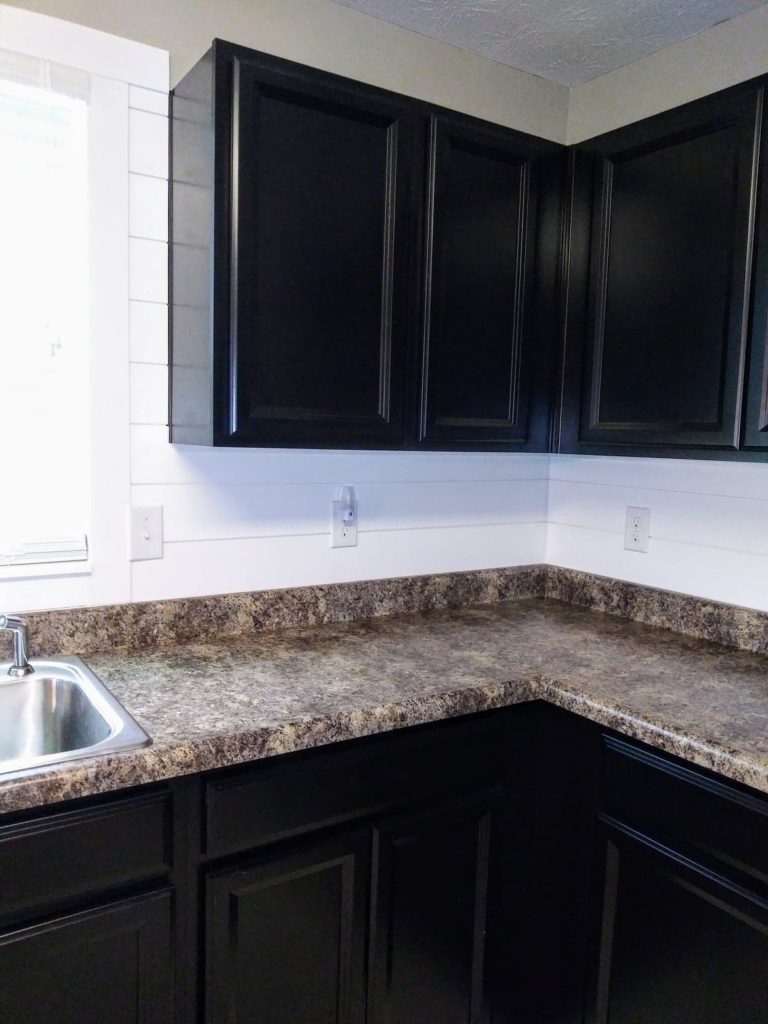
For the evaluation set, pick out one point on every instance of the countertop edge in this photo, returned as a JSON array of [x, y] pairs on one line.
[[110, 774]]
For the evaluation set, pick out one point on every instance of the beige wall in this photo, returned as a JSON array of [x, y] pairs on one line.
[[721, 56], [328, 36], [334, 38]]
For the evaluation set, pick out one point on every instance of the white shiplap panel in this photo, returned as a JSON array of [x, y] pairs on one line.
[[195, 512], [731, 576], [149, 394], [200, 568], [148, 270], [148, 207], [705, 519], [152, 100], [155, 461], [147, 143], [149, 332], [738, 479]]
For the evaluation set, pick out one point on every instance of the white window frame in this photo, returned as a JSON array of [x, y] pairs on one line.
[[114, 65]]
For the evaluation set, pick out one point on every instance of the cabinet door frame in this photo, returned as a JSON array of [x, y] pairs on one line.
[[400, 830], [579, 428], [755, 433], [531, 332], [350, 852], [614, 837], [149, 916], [272, 76]]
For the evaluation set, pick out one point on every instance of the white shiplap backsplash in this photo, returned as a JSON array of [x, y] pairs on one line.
[[709, 523]]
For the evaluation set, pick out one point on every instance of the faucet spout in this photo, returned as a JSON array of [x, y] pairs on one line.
[[17, 627]]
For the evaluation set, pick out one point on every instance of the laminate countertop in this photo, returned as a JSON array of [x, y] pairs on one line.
[[210, 705]]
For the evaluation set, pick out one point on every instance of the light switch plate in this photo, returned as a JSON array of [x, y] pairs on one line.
[[146, 532]]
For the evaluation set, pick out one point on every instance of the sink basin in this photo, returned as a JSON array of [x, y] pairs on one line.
[[60, 712]]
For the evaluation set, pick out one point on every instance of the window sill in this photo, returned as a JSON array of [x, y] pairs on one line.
[[41, 570]]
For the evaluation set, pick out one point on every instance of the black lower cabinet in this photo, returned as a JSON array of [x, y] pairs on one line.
[[287, 935], [512, 867], [429, 917], [679, 943], [398, 909], [356, 885], [111, 964]]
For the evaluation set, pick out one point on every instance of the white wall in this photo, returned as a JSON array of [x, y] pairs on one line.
[[333, 38], [239, 520], [709, 523], [723, 55]]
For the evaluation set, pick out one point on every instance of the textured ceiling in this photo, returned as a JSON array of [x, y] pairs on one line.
[[566, 41]]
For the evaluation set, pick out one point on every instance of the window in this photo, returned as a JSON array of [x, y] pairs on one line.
[[67, 99], [44, 321]]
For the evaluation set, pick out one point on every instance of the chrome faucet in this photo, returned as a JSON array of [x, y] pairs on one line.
[[18, 629]]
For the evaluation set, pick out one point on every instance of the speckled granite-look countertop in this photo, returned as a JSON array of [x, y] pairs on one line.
[[209, 705]]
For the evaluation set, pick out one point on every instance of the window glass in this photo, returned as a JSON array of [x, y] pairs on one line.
[[44, 314]]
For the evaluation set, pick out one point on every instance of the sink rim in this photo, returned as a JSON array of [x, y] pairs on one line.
[[125, 733]]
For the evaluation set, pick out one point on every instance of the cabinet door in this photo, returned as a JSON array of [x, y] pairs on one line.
[[429, 917], [480, 335], [108, 965], [310, 334], [756, 419], [656, 360], [286, 936], [678, 944]]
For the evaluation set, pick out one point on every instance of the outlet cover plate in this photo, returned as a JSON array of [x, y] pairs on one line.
[[637, 528], [343, 535]]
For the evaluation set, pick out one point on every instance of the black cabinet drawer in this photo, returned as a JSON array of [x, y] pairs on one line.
[[689, 808], [311, 791], [51, 859]]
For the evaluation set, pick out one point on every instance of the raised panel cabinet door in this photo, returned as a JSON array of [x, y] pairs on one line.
[[480, 271], [311, 340], [677, 943], [663, 337], [111, 965], [755, 434], [286, 936], [429, 904]]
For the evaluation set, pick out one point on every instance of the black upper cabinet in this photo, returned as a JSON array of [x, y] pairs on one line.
[[307, 215], [660, 259], [318, 251], [298, 266], [481, 349], [755, 434]]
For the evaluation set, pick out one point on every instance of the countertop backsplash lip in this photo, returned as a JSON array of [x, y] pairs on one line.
[[85, 631], [744, 629]]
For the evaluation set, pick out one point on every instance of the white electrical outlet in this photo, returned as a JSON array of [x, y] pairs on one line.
[[637, 528], [146, 532], [344, 519]]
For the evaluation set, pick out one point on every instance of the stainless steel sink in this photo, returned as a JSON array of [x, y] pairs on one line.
[[59, 712]]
